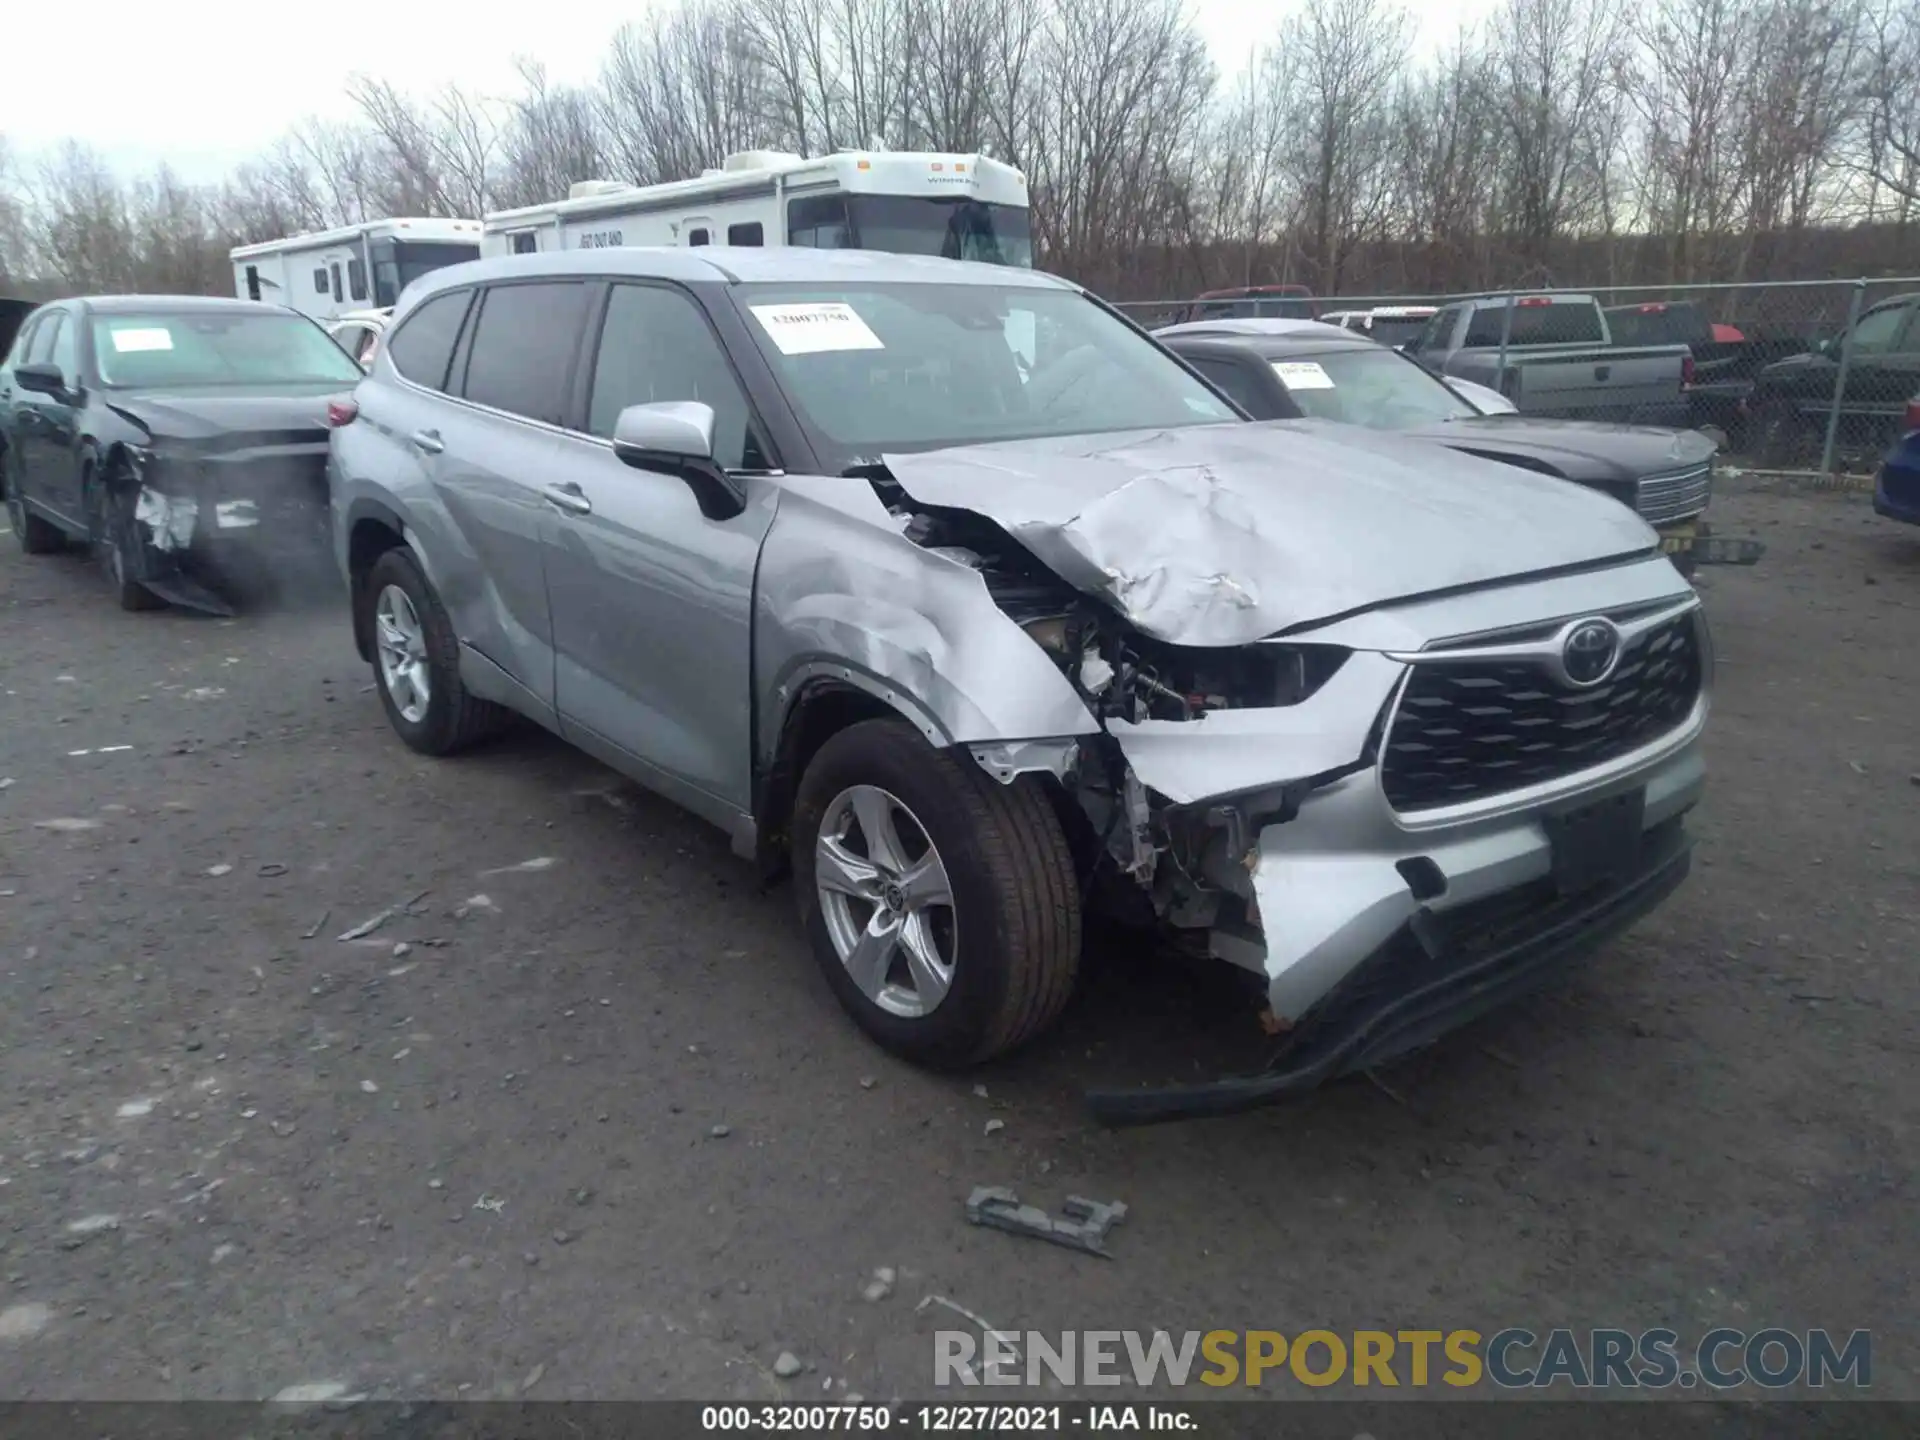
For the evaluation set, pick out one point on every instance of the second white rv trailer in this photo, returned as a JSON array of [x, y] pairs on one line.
[[966, 207], [328, 273]]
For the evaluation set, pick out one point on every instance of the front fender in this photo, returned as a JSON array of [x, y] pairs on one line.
[[841, 593]]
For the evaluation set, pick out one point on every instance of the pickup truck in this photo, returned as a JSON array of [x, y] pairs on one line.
[[1560, 359], [1726, 358]]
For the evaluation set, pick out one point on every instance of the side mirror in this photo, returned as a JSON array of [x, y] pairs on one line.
[[676, 436], [42, 378]]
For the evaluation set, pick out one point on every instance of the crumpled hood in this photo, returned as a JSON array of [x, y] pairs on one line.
[[231, 416], [1584, 450], [1225, 534]]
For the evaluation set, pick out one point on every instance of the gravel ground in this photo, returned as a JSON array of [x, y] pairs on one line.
[[479, 1152]]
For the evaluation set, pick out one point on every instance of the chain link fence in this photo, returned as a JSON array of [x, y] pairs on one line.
[[1816, 376]]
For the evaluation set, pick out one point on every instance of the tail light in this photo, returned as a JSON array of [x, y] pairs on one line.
[[341, 412], [1537, 300], [1686, 371], [1912, 419]]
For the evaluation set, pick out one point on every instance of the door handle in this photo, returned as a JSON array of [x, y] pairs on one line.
[[429, 441], [567, 496]]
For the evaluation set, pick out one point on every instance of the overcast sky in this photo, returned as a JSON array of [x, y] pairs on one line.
[[206, 104]]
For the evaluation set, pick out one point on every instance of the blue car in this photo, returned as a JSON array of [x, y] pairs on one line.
[[1896, 493]]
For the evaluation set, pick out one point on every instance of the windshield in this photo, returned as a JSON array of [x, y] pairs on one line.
[[1374, 388], [1658, 325], [957, 228], [1394, 331], [872, 368], [165, 351], [398, 263]]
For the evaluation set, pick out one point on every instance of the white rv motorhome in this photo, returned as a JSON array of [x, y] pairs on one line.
[[357, 267], [966, 207]]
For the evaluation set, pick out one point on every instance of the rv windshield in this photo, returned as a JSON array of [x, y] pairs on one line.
[[164, 350], [398, 263], [876, 367], [957, 227]]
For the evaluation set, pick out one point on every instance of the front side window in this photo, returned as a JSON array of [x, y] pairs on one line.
[[174, 349], [1365, 385], [40, 348], [656, 346], [23, 344], [66, 349], [422, 347], [521, 360], [878, 367]]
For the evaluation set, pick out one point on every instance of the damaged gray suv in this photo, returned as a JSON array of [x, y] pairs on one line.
[[947, 586]]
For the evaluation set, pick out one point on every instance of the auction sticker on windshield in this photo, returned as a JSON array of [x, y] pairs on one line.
[[130, 342], [1302, 375], [811, 329]]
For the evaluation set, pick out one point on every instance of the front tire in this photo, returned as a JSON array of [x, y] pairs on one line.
[[1781, 438], [34, 534], [116, 537], [416, 661], [942, 906]]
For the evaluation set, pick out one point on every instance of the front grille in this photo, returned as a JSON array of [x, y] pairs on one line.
[[1480, 728], [1663, 498]]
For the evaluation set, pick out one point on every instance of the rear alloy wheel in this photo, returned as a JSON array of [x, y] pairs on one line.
[[34, 534], [416, 660], [941, 905]]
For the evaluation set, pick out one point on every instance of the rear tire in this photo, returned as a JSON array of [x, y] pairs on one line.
[[415, 638], [34, 534], [1010, 940]]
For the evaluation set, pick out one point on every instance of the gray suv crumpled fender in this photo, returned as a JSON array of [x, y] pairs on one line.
[[842, 595]]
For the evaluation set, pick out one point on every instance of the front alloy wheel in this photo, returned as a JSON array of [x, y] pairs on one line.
[[402, 645], [886, 901], [942, 907]]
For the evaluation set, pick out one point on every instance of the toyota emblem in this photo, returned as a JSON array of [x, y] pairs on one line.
[[1589, 653]]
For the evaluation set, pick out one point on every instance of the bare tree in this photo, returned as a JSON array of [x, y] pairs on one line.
[[1552, 62], [551, 140]]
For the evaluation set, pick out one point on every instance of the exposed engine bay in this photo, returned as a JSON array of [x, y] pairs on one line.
[[1189, 866]]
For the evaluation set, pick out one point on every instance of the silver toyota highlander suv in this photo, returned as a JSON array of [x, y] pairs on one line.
[[948, 586]]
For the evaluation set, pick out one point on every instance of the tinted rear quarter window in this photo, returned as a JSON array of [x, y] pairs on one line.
[[521, 360], [423, 345]]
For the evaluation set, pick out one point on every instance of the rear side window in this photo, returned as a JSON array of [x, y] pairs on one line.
[[320, 281], [422, 347], [697, 237], [357, 279], [521, 359], [747, 234]]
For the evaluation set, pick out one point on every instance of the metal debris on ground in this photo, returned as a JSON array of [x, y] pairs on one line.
[[325, 915], [965, 1314], [218, 870], [539, 862], [374, 922], [1085, 1227], [268, 871], [493, 1205]]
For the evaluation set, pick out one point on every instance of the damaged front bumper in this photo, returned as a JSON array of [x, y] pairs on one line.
[[194, 519], [1434, 972]]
